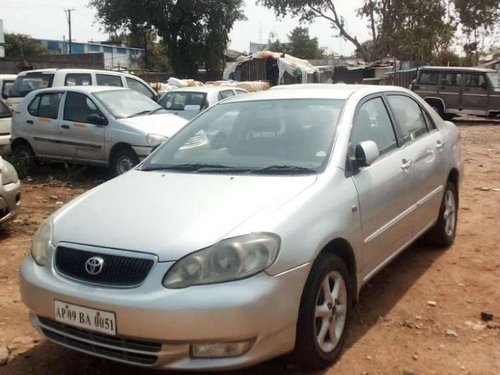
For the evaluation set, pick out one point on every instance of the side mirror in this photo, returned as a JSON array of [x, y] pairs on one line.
[[97, 119], [366, 153], [5, 96]]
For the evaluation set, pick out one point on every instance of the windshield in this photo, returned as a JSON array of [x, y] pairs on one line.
[[25, 84], [126, 103], [290, 136], [494, 79]]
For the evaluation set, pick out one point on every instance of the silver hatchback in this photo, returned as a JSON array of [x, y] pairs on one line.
[[234, 252]]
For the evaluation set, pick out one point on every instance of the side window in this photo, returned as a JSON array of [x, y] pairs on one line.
[[33, 106], [4, 111], [77, 79], [240, 92], [49, 105], [428, 78], [225, 94], [139, 87], [409, 117], [475, 81], [372, 123], [430, 122], [451, 79], [78, 107], [108, 80]]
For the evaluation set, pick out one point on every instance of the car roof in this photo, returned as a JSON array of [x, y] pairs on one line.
[[205, 89], [457, 68], [8, 76], [83, 89], [76, 70], [314, 91]]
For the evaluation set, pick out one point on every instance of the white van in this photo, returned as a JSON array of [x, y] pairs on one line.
[[43, 78]]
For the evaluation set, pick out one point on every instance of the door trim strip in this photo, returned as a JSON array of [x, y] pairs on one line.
[[390, 224], [97, 147]]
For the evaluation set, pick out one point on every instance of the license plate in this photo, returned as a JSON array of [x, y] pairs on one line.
[[86, 318]]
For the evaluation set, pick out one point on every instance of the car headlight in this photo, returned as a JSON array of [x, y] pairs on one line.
[[232, 259], [41, 243], [9, 174], [154, 140]]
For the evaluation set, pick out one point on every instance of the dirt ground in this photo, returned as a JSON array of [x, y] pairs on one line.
[[397, 328]]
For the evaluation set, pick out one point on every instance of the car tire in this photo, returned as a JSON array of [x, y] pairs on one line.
[[24, 159], [123, 160], [323, 317], [443, 233]]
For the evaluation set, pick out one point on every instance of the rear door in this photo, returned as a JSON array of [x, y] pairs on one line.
[[385, 188], [80, 138], [450, 87], [42, 123], [475, 92], [423, 145]]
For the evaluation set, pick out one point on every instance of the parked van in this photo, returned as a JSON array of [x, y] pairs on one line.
[[453, 90], [6, 81], [43, 78]]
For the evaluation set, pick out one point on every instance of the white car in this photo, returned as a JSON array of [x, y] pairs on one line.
[[189, 101], [5, 119], [10, 195], [106, 126], [45, 78]]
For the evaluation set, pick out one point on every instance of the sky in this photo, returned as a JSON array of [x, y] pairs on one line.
[[46, 20]]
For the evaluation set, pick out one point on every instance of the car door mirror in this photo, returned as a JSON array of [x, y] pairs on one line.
[[366, 153], [97, 119], [5, 96]]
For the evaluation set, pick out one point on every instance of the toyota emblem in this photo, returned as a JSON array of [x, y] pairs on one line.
[[94, 265]]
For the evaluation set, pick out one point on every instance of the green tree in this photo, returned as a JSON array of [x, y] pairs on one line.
[[478, 18], [22, 46], [385, 19], [195, 32], [302, 45]]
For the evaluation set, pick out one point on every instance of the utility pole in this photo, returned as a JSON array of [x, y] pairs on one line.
[[68, 18]]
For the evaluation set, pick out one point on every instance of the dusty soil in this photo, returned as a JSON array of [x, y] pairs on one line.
[[395, 329]]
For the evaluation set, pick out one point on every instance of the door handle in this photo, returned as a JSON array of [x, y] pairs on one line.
[[406, 164], [439, 145], [65, 126], [29, 122]]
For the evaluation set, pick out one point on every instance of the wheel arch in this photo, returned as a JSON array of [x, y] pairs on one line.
[[343, 249], [18, 141], [430, 99], [116, 147]]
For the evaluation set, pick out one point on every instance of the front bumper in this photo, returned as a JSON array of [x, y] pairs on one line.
[[262, 308], [142, 152], [5, 144], [10, 201]]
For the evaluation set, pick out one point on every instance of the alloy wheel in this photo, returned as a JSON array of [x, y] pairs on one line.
[[450, 213]]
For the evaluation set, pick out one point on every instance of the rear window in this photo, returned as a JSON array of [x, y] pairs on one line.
[[183, 101], [428, 78], [108, 80], [25, 84], [6, 87], [45, 105]]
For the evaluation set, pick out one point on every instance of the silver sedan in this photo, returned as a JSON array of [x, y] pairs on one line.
[[236, 251], [10, 195]]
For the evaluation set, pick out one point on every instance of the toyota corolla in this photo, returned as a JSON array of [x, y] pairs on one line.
[[212, 255]]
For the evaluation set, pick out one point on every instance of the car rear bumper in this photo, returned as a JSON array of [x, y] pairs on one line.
[[10, 200], [261, 309]]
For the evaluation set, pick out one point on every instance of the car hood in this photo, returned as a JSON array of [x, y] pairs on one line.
[[171, 214], [166, 124]]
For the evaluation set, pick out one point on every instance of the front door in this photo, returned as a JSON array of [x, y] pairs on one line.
[[83, 140], [384, 188], [475, 92]]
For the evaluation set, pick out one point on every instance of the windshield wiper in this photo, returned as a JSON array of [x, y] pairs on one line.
[[284, 169], [156, 110], [194, 167], [139, 113]]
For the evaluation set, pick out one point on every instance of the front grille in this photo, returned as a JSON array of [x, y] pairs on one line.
[[113, 347], [117, 270]]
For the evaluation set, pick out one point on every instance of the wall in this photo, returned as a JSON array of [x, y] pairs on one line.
[[83, 61]]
